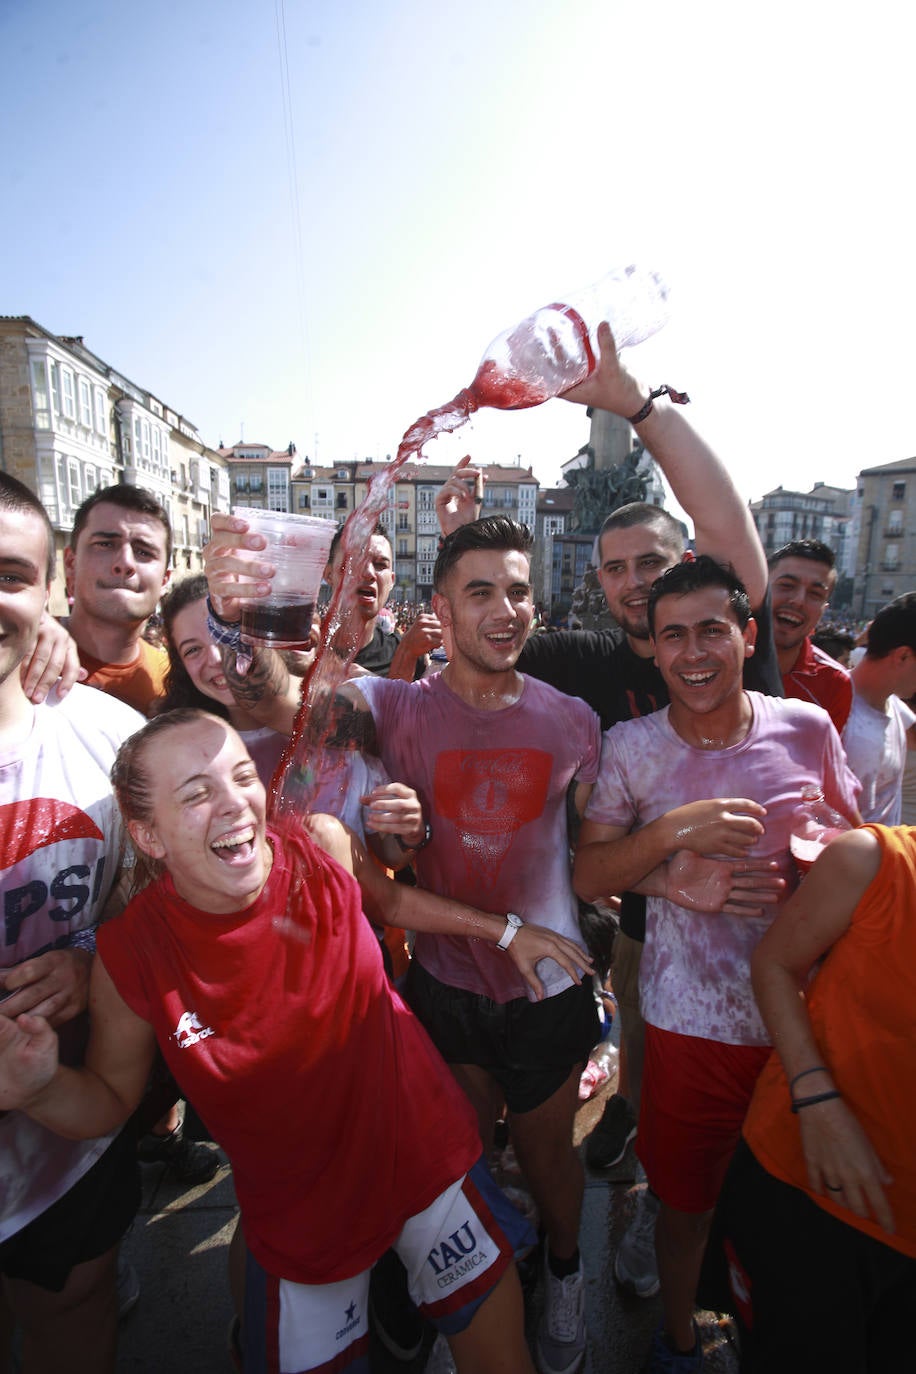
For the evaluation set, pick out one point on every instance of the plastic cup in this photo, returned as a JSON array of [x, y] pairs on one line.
[[298, 546]]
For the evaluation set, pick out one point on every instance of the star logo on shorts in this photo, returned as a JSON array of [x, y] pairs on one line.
[[351, 1311]]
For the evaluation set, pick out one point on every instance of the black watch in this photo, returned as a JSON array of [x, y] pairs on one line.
[[415, 848]]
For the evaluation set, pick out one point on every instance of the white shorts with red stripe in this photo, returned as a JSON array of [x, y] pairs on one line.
[[455, 1252]]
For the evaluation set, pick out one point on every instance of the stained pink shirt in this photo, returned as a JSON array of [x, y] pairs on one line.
[[695, 968], [493, 784]]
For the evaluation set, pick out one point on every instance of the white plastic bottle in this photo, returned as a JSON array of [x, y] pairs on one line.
[[555, 348], [602, 1065], [550, 351], [814, 825]]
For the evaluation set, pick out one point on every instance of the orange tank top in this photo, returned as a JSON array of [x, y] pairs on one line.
[[862, 1005]]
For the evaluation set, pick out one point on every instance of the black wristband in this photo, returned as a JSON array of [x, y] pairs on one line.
[[415, 848], [218, 618], [680, 398], [813, 1101], [818, 1068]]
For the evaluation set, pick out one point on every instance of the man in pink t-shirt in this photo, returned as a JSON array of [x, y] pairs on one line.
[[714, 776], [492, 755]]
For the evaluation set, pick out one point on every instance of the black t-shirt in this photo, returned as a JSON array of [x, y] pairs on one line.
[[600, 667], [378, 653]]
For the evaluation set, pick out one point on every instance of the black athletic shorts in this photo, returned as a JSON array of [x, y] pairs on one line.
[[529, 1048], [88, 1220]]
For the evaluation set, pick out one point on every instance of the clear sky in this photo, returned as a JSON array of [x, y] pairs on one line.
[[453, 167]]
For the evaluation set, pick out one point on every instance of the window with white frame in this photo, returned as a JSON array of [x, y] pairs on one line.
[[101, 412], [67, 395], [75, 482], [40, 401], [277, 489], [54, 370], [85, 397], [48, 488]]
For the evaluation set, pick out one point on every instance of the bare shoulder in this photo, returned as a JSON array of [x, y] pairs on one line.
[[852, 859], [328, 833]]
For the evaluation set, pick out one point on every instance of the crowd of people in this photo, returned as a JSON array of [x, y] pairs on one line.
[[168, 937]]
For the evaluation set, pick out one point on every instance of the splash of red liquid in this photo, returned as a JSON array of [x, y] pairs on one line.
[[291, 784]]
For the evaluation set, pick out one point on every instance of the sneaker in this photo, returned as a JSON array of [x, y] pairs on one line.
[[392, 1315], [635, 1265], [128, 1287], [664, 1360], [607, 1144], [561, 1333], [188, 1161]]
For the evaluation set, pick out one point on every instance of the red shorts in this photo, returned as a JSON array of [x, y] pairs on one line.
[[695, 1094]]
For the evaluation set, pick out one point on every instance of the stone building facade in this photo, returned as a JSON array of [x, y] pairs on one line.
[[70, 423]]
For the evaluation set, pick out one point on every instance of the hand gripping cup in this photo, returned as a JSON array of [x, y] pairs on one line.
[[298, 546]]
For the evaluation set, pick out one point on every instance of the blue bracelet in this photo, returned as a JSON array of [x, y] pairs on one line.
[[800, 1102]]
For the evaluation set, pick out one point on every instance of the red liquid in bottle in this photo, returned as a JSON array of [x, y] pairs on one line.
[[525, 379]]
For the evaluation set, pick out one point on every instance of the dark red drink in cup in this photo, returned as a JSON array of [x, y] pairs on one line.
[[298, 546]]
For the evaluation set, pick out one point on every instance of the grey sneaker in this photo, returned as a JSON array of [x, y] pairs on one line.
[[635, 1265], [561, 1333], [607, 1144]]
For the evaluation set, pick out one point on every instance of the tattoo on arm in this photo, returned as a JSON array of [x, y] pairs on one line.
[[268, 677], [352, 726]]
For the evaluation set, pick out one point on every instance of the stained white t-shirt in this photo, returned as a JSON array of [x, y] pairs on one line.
[[61, 843], [695, 968], [875, 744]]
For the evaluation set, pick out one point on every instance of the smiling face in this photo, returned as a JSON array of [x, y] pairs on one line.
[[207, 816], [23, 588], [486, 608], [700, 650], [800, 590], [630, 561], [376, 576], [118, 569], [191, 641]]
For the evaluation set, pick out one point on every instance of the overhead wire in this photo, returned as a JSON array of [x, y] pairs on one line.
[[292, 174]]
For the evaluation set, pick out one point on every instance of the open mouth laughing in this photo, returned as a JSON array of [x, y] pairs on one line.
[[236, 846]]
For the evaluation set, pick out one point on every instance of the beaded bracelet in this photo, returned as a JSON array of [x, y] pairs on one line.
[[812, 1101], [680, 398]]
